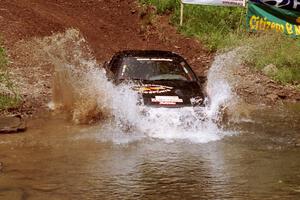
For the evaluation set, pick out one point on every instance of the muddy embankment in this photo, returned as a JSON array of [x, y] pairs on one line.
[[107, 26]]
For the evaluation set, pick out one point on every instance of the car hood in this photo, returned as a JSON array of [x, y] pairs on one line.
[[170, 93]]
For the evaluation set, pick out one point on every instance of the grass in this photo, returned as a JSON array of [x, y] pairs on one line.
[[279, 50], [221, 28], [212, 25], [162, 6], [7, 100]]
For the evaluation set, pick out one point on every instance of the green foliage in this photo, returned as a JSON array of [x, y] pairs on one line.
[[279, 50], [162, 6], [221, 28], [6, 101], [210, 24], [3, 61], [288, 75]]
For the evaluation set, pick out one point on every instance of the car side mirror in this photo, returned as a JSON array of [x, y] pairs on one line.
[[105, 65], [202, 79]]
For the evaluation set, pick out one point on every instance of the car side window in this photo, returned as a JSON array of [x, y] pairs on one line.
[[114, 65]]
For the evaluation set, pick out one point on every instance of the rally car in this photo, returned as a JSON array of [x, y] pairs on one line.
[[162, 78]]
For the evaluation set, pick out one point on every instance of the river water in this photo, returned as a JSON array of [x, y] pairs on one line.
[[226, 150], [56, 159]]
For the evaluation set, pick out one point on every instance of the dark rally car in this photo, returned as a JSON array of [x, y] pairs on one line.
[[162, 78]]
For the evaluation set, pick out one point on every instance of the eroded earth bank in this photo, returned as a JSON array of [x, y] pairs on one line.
[[107, 26]]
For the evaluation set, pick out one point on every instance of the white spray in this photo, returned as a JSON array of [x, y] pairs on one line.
[[93, 95]]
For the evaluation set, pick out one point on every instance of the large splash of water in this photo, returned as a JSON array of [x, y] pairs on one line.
[[82, 89]]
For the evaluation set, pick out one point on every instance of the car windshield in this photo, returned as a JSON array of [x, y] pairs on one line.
[[155, 69]]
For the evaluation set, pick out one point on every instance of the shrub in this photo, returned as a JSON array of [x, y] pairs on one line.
[[6, 100]]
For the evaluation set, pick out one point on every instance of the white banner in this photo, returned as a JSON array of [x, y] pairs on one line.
[[216, 2]]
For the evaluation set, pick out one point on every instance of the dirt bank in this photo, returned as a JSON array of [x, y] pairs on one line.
[[107, 25], [256, 88]]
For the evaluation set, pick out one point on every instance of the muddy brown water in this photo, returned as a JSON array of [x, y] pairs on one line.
[[56, 159]]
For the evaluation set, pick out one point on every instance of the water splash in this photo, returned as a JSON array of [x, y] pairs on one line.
[[199, 125], [82, 89], [220, 83]]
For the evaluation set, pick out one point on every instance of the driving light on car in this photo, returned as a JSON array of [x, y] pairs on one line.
[[196, 101]]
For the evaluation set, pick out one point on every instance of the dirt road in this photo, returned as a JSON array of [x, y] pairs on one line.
[[108, 25]]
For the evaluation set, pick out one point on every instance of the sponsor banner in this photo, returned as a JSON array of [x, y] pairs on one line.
[[152, 89], [216, 2], [264, 17], [284, 4]]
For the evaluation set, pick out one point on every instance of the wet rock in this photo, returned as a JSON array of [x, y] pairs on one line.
[[257, 80], [270, 70], [12, 124], [249, 91], [282, 94], [133, 11], [261, 91], [272, 97], [297, 143]]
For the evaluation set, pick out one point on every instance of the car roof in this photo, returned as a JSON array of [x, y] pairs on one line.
[[148, 53]]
